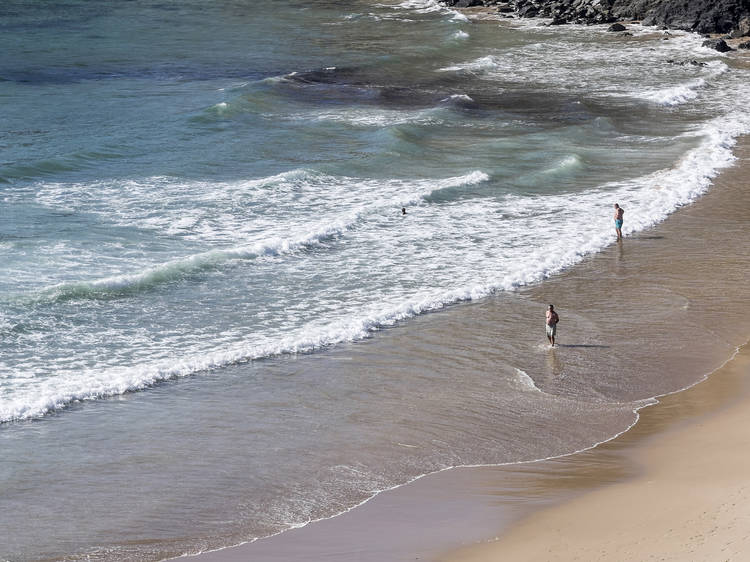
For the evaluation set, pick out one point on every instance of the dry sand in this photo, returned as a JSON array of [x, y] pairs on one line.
[[690, 502]]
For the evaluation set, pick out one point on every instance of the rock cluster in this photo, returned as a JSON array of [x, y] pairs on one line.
[[702, 16], [568, 11], [718, 45]]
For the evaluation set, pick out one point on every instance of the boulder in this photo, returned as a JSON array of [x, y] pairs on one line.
[[468, 3], [617, 27], [745, 45], [742, 29], [528, 11], [717, 44], [702, 16]]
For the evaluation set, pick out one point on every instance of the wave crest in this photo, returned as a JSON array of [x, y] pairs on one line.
[[313, 234]]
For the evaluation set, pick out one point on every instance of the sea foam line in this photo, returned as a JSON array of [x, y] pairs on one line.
[[314, 234]]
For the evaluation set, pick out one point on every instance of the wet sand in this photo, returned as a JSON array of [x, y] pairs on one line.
[[689, 498], [667, 302]]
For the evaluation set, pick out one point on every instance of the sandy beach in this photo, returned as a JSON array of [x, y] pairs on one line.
[[689, 500]]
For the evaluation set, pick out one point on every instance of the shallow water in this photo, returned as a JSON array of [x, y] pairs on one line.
[[201, 213]]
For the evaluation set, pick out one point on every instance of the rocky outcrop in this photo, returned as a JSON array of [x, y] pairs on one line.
[[465, 3], [718, 45], [568, 11], [702, 16]]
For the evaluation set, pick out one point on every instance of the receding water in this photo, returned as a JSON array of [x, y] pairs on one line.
[[201, 211]]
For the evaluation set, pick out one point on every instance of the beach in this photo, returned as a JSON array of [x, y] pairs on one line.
[[221, 336], [669, 488], [688, 498]]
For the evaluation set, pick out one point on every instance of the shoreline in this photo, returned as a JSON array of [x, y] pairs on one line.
[[687, 435], [671, 453], [482, 503]]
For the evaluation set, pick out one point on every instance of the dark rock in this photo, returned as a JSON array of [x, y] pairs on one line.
[[745, 45], [468, 3], [717, 44], [700, 16], [617, 27], [742, 29], [558, 21]]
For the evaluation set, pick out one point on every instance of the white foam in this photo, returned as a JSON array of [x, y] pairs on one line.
[[687, 91], [362, 117], [484, 63], [674, 96], [458, 97], [526, 382], [567, 163], [353, 203], [431, 6], [557, 63]]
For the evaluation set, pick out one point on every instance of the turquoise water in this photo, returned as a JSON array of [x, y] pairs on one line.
[[191, 192]]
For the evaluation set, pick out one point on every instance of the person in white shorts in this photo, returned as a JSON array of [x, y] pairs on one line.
[[552, 320]]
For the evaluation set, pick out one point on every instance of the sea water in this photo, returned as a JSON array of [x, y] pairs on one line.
[[202, 212]]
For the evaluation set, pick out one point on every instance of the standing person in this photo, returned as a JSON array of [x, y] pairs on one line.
[[552, 320], [619, 212]]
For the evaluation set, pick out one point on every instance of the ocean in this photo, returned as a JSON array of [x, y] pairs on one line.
[[214, 313]]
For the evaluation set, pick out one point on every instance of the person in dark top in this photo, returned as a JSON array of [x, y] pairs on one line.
[[552, 320], [619, 212]]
